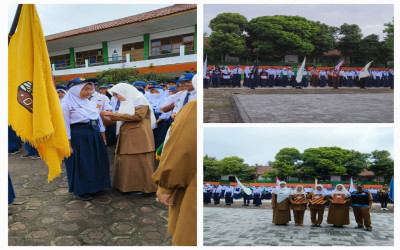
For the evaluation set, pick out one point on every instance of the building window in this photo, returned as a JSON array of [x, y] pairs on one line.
[[60, 61], [172, 44], [94, 56], [136, 51]]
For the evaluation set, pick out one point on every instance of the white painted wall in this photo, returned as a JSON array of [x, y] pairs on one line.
[[89, 47], [117, 45], [138, 64]]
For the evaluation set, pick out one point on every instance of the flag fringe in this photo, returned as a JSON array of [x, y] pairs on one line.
[[44, 139]]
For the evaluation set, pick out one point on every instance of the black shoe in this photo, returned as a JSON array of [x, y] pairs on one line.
[[13, 152], [368, 229], [313, 225], [35, 157], [84, 197], [26, 156], [335, 226], [358, 227], [101, 192], [137, 193], [340, 226], [318, 225]]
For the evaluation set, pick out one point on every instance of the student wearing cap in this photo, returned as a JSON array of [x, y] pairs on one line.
[[103, 89], [280, 204], [176, 177], [317, 201], [87, 166], [298, 203], [383, 195], [61, 91], [362, 203], [338, 213], [134, 152], [187, 95]]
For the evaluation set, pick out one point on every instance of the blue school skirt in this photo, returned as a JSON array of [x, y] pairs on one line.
[[11, 193], [88, 169]]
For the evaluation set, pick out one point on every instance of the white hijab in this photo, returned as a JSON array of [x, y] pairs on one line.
[[343, 191], [157, 101], [301, 192], [133, 99], [323, 192], [84, 107], [281, 193]]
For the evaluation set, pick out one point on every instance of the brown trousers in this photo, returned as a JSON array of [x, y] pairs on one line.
[[314, 80], [317, 213], [362, 216], [298, 216]]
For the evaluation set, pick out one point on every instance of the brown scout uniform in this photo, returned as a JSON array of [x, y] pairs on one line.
[[176, 175], [338, 214], [281, 211], [298, 209], [134, 152], [316, 210]]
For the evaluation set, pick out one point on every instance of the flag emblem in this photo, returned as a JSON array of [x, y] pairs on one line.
[[24, 96]]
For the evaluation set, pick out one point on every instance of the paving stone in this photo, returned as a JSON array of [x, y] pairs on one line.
[[221, 223], [319, 108], [48, 215]]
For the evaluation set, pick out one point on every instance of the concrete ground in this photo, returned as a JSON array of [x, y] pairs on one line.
[[252, 226], [307, 105], [47, 215]]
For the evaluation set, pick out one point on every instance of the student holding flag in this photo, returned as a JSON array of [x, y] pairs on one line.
[[88, 166]]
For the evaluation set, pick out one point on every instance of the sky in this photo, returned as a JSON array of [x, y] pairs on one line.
[[369, 17], [261, 144], [56, 18]]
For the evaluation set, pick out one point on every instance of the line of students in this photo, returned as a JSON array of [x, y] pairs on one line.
[[283, 77], [284, 199]]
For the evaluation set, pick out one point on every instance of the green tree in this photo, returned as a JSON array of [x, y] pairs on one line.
[[370, 47], [222, 44], [323, 162], [349, 41], [233, 23], [235, 166], [387, 48], [324, 40], [227, 36], [278, 35], [211, 169], [130, 75], [285, 164], [382, 164], [356, 162]]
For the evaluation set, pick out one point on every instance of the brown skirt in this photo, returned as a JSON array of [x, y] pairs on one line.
[[133, 172], [338, 214], [281, 216]]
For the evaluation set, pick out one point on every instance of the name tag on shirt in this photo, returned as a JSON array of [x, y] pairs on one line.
[[263, 77]]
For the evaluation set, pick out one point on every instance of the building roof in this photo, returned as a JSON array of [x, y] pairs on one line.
[[177, 8], [262, 169], [366, 173], [333, 53]]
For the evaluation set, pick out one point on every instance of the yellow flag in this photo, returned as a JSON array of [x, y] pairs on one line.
[[34, 110]]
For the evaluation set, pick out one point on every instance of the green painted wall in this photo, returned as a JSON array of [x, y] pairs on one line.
[[146, 46], [105, 52]]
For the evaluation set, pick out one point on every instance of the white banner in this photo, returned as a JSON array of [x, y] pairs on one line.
[[300, 72], [245, 189]]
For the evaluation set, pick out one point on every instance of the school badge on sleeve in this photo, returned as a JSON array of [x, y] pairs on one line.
[[24, 96]]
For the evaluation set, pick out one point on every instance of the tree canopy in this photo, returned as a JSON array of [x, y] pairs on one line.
[[270, 38]]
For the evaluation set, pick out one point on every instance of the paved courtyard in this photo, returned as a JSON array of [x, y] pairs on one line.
[[46, 214], [316, 108], [225, 226]]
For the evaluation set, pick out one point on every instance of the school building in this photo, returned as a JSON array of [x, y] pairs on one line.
[[163, 40]]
